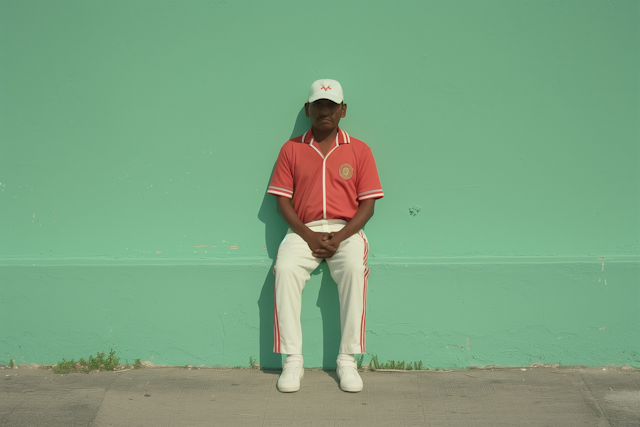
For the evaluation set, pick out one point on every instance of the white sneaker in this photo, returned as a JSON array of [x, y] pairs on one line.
[[347, 371], [292, 373]]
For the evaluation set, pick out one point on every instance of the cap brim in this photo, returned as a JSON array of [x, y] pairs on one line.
[[328, 96]]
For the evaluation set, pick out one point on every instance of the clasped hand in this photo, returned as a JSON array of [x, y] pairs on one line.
[[323, 245]]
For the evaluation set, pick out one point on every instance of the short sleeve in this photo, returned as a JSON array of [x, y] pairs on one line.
[[282, 180], [368, 183]]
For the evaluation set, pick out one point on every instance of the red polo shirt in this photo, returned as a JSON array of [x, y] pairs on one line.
[[326, 187]]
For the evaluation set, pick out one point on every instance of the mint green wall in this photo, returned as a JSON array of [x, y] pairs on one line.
[[137, 141]]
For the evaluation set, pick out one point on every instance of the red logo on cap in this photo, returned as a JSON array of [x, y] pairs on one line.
[[326, 88]]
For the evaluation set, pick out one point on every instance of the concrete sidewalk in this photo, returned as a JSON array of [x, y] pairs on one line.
[[204, 397]]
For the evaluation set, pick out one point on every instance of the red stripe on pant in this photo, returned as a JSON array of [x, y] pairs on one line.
[[276, 325], [364, 294]]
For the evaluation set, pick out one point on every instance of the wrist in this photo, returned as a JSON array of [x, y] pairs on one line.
[[339, 237], [306, 233]]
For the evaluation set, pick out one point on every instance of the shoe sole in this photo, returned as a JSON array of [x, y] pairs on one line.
[[353, 390]]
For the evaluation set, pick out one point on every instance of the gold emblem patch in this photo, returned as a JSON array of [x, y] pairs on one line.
[[346, 171]]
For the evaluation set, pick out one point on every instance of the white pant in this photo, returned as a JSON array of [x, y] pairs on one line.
[[348, 267]]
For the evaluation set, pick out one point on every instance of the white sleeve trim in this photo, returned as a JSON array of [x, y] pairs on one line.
[[286, 190], [379, 190], [372, 196], [279, 191]]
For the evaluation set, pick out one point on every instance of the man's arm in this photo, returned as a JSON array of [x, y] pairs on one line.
[[363, 214], [316, 241]]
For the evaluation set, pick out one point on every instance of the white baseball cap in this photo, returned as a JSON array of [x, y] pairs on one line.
[[326, 89]]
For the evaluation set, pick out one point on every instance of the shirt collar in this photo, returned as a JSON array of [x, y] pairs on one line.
[[343, 137]]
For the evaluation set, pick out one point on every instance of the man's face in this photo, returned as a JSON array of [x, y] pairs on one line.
[[325, 115]]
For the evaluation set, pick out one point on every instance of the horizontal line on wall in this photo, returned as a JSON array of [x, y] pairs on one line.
[[266, 262]]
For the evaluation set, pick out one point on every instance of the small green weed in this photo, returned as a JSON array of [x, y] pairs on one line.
[[65, 367], [400, 365], [101, 362], [253, 363], [373, 364], [359, 359], [12, 363]]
